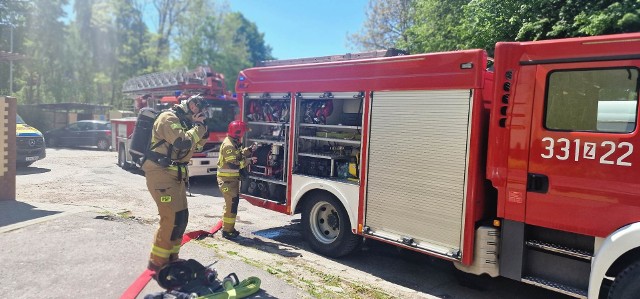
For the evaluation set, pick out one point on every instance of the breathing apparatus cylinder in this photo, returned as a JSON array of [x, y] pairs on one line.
[[141, 139]]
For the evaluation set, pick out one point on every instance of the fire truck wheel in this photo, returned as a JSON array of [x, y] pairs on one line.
[[326, 226], [103, 144], [627, 283]]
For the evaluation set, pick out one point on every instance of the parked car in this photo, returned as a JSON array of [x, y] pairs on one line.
[[82, 133], [29, 144]]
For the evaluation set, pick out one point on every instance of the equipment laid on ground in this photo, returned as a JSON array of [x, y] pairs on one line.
[[143, 279], [189, 279], [524, 166]]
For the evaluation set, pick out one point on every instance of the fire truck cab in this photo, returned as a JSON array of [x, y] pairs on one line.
[[525, 169]]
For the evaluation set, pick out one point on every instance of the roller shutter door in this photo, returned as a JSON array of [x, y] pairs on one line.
[[417, 167]]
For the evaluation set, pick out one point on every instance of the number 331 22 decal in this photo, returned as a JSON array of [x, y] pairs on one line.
[[606, 151]]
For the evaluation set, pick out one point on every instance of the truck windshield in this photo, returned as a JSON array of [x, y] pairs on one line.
[[221, 113], [19, 120]]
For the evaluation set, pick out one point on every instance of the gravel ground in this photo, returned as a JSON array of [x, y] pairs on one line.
[[270, 242]]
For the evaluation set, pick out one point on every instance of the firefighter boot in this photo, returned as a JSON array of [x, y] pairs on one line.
[[230, 235], [153, 267]]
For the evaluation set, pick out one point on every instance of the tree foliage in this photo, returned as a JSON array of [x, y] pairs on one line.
[[12, 31], [226, 41], [508, 20], [386, 24], [47, 72], [82, 51], [434, 26], [462, 24]]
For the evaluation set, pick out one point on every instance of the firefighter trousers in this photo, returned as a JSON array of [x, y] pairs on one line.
[[170, 196], [229, 187]]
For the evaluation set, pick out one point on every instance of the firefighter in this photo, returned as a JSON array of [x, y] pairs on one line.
[[176, 134], [231, 160]]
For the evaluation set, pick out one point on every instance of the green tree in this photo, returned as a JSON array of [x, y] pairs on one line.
[[386, 25], [462, 24], [197, 38], [247, 34], [608, 17], [168, 12], [227, 42], [132, 47], [47, 71], [435, 26], [12, 24], [489, 21]]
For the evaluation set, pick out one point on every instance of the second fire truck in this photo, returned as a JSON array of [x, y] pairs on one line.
[[526, 169], [164, 89]]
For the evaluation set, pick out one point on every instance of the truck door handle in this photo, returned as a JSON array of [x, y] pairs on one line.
[[537, 183]]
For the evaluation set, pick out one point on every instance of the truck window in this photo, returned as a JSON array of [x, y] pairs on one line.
[[593, 100], [220, 114]]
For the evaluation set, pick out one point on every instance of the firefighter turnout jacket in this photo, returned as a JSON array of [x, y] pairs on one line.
[[174, 140], [231, 160]]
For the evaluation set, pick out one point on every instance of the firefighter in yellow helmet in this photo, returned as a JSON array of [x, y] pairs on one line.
[[231, 160], [176, 134]]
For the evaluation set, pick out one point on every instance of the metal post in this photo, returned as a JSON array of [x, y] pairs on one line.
[[11, 63]]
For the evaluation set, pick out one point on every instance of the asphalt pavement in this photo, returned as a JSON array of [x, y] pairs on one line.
[[64, 251]]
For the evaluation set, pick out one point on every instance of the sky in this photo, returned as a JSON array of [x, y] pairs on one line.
[[304, 28], [296, 28]]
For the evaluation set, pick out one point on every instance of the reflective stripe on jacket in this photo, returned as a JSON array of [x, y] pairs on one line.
[[231, 158]]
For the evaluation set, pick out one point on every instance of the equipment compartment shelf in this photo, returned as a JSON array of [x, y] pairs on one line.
[[348, 141], [323, 156], [330, 126], [270, 180], [264, 123], [276, 142]]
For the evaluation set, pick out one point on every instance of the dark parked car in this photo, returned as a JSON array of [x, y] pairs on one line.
[[81, 133]]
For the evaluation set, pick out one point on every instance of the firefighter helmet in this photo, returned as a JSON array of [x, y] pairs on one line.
[[236, 129], [198, 100]]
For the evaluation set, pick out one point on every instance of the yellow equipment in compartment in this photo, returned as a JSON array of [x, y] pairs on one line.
[[354, 166]]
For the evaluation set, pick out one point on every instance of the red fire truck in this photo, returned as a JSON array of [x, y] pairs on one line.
[[523, 166], [161, 91]]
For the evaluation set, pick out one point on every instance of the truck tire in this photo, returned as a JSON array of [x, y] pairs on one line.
[[122, 159], [103, 144], [326, 226], [627, 283]]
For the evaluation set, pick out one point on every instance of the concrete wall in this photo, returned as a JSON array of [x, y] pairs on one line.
[[7, 148]]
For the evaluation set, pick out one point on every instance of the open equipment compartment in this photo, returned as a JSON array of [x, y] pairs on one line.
[[267, 117], [329, 133]]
